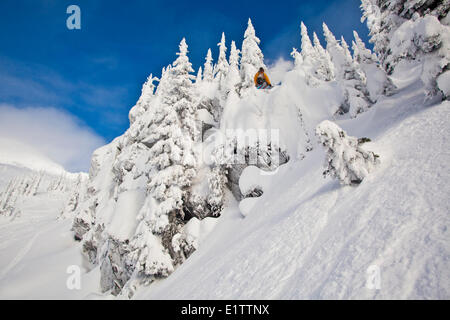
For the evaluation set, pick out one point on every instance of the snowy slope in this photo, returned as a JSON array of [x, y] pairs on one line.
[[308, 237], [37, 245], [36, 250]]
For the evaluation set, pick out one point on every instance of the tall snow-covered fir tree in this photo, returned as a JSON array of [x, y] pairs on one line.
[[314, 60], [349, 75], [336, 51], [149, 170], [220, 79], [199, 77], [378, 82], [172, 162], [222, 66], [310, 59], [325, 68], [252, 56], [360, 53], [348, 55], [306, 46], [147, 187], [233, 76], [208, 70], [143, 103], [173, 139]]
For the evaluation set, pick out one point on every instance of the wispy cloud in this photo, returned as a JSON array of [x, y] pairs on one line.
[[55, 133], [101, 96], [94, 100], [28, 83], [108, 62]]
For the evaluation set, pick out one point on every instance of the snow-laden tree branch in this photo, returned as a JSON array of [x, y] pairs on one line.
[[346, 160]]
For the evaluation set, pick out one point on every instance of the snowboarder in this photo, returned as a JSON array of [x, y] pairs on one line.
[[262, 80]]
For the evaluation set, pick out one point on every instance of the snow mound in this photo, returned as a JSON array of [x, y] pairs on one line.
[[253, 178], [444, 83]]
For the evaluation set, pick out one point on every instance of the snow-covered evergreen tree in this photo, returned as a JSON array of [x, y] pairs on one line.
[[22, 188], [208, 70], [222, 66], [310, 60], [325, 68], [416, 30], [372, 13], [349, 74], [306, 46], [314, 61], [233, 76], [378, 83], [199, 77], [252, 56], [9, 197], [339, 54], [346, 160], [149, 171], [360, 53], [173, 164], [143, 103], [147, 257], [76, 197], [348, 55]]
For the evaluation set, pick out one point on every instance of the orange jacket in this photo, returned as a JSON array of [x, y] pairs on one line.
[[266, 78]]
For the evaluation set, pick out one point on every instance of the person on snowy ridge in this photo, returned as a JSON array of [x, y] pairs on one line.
[[262, 80]]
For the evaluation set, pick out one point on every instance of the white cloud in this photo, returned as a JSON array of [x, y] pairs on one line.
[[54, 133], [16, 153]]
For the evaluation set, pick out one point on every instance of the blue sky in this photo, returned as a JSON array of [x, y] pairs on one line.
[[95, 74]]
